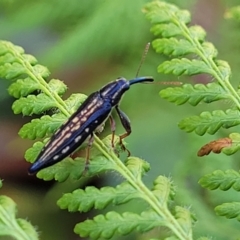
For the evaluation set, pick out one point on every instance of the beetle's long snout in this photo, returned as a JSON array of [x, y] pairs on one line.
[[141, 80]]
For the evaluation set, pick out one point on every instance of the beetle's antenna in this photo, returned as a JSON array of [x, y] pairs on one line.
[[147, 80], [143, 58]]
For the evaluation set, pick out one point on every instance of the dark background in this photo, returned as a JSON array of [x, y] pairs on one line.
[[87, 44]]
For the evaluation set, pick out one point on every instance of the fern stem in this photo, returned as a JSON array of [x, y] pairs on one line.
[[148, 196]]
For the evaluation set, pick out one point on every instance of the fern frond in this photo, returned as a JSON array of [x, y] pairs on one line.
[[229, 210], [173, 46], [194, 94], [137, 166], [40, 128], [223, 180], [186, 40], [210, 122], [163, 189], [105, 227], [191, 54], [20, 65], [92, 197], [184, 217], [23, 87], [184, 66], [33, 104]]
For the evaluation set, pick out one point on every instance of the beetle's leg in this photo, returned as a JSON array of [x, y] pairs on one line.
[[90, 142], [113, 128], [127, 126]]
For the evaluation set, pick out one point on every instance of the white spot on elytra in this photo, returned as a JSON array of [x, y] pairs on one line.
[[96, 121], [65, 149], [77, 139], [55, 157], [87, 130]]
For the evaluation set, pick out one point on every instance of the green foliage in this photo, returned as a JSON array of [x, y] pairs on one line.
[[92, 197], [121, 224], [45, 96], [39, 128], [223, 180], [17, 228], [191, 54], [229, 210], [210, 122], [194, 94]]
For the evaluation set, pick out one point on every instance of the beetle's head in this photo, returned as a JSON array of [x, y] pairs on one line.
[[114, 90]]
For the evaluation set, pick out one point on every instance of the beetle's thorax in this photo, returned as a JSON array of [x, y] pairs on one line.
[[114, 90]]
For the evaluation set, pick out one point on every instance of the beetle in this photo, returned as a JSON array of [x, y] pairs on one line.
[[94, 111]]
